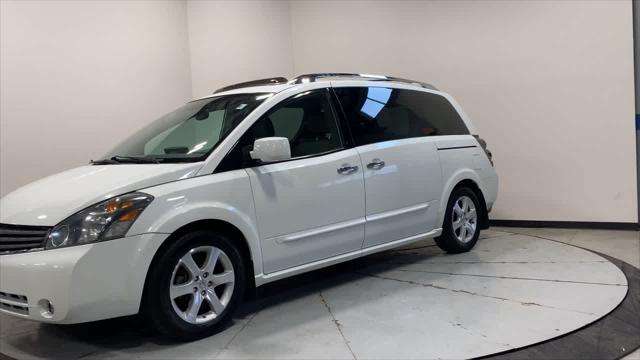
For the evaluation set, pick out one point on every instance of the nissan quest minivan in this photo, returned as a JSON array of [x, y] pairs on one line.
[[258, 182]]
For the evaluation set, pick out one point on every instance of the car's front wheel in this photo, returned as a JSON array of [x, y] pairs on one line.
[[460, 229], [194, 286]]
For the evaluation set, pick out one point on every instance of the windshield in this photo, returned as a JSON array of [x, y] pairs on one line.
[[189, 133]]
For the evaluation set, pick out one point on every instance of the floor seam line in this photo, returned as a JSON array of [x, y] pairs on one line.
[[233, 338], [337, 324], [508, 277], [524, 303]]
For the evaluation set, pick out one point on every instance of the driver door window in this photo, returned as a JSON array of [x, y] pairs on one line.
[[306, 119]]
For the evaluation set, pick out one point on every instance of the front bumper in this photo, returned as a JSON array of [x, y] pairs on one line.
[[81, 283]]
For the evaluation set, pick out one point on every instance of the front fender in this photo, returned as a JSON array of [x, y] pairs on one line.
[[225, 197]]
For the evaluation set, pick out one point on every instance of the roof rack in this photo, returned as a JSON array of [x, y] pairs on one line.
[[268, 81], [313, 77]]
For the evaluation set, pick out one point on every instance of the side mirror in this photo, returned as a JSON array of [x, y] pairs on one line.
[[271, 149]]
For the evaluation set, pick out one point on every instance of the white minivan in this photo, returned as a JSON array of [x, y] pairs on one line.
[[260, 181]]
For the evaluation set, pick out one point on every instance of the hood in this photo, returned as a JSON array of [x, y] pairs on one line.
[[50, 200]]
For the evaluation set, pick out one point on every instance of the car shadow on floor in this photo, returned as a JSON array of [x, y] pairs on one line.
[[131, 335]]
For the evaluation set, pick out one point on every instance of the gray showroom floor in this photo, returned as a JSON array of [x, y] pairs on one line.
[[515, 288]]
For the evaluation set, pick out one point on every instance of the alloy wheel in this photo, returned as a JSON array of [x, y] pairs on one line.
[[464, 219], [202, 284]]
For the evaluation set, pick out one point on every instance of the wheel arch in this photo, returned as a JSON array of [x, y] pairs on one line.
[[222, 226], [465, 179], [484, 214]]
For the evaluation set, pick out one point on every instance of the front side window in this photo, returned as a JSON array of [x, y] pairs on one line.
[[306, 119], [308, 122], [377, 114], [191, 132]]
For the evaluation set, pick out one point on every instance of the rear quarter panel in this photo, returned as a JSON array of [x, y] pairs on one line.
[[462, 158]]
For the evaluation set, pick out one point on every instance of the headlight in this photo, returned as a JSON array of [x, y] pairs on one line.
[[107, 220]]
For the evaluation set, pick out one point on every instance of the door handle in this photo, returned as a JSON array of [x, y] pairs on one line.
[[347, 169], [375, 164]]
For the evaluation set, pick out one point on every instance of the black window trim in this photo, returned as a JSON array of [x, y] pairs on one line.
[[254, 163], [343, 122]]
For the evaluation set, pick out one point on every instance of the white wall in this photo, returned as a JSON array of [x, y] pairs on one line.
[[235, 41], [549, 85], [77, 76]]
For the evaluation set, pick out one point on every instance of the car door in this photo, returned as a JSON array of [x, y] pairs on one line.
[[311, 207], [402, 173]]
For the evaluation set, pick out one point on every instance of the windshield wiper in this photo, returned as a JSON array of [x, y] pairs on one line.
[[104, 162], [126, 159], [135, 159]]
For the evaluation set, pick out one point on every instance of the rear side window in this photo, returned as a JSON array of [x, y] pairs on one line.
[[377, 114]]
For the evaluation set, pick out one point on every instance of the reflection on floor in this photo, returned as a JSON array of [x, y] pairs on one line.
[[510, 291]]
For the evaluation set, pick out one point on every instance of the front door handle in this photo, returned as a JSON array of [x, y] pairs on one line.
[[347, 169], [375, 164]]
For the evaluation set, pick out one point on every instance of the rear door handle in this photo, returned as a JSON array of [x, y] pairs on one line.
[[375, 164], [347, 169]]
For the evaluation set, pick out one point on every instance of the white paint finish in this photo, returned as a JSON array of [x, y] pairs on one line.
[[225, 197], [398, 213], [271, 149], [398, 194], [266, 89], [54, 198], [78, 76], [264, 203], [82, 282], [264, 279], [236, 41], [400, 315], [549, 85], [320, 230], [306, 195], [465, 164]]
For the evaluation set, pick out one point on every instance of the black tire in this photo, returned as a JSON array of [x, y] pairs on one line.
[[157, 305], [449, 241]]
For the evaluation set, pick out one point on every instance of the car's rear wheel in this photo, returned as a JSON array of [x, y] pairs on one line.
[[460, 229], [195, 286]]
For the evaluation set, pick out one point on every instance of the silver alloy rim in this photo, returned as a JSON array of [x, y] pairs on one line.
[[464, 219], [201, 284]]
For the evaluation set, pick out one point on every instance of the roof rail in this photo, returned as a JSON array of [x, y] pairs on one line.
[[268, 81], [312, 77]]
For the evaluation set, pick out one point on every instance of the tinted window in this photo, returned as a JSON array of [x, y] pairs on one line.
[[306, 119], [378, 114]]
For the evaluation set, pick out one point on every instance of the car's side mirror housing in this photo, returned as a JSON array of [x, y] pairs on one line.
[[271, 149]]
